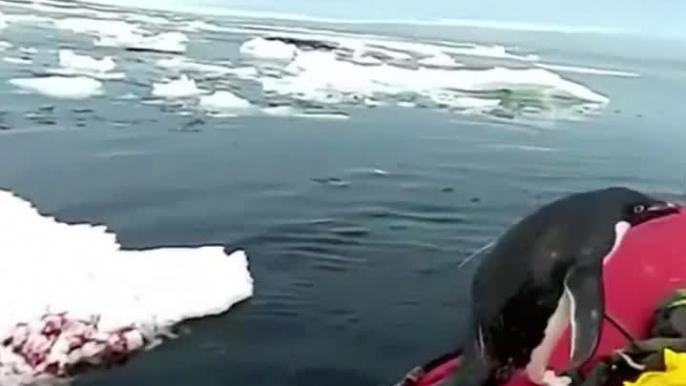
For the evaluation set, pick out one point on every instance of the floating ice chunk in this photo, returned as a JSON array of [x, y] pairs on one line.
[[70, 59], [199, 25], [268, 49], [183, 87], [128, 97], [371, 102], [289, 111], [322, 77], [439, 60], [170, 42], [14, 60], [465, 102], [5, 45], [281, 111], [91, 302], [73, 64], [60, 87], [520, 147], [180, 63], [224, 102]]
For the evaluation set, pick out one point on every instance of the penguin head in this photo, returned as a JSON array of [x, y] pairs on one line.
[[636, 208]]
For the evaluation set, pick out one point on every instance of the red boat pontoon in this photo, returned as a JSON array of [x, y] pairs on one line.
[[650, 264]]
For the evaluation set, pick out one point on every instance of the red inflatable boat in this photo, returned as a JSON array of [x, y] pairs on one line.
[[650, 264]]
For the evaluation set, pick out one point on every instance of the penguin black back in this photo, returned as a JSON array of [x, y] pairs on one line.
[[520, 285]]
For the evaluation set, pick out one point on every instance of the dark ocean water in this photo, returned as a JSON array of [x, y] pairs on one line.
[[355, 229]]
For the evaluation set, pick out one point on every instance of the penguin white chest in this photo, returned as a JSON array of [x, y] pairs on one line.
[[621, 228]]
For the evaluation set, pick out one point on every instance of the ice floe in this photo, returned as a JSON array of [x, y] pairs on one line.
[[289, 111], [73, 64], [62, 87], [70, 59], [320, 76], [92, 303], [439, 60], [268, 49], [182, 87], [15, 60], [225, 103]]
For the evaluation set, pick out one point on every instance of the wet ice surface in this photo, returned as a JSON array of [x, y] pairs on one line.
[[217, 64]]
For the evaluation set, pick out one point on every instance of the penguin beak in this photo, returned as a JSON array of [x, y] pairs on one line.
[[663, 209]]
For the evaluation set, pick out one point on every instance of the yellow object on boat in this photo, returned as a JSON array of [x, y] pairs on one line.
[[674, 374]]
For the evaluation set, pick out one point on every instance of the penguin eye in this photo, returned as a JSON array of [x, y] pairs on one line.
[[638, 209]]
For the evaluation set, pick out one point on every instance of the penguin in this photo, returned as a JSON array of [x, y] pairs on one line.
[[544, 273]]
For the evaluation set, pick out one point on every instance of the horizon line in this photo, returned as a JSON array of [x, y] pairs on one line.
[[211, 10]]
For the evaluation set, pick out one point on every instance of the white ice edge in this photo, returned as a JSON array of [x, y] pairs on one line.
[[81, 270]]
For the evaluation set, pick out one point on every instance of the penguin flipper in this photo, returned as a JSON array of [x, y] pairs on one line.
[[584, 287]]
